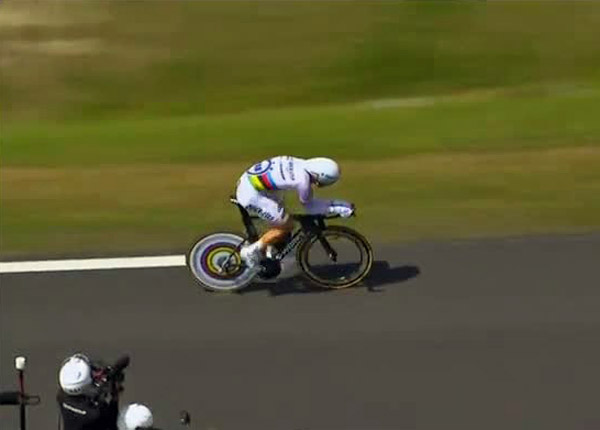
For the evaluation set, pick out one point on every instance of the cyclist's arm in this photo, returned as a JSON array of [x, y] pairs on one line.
[[305, 195], [319, 206], [304, 188]]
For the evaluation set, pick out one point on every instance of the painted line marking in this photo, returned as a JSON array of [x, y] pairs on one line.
[[481, 95], [92, 264]]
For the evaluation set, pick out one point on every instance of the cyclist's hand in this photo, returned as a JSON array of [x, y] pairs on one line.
[[341, 208]]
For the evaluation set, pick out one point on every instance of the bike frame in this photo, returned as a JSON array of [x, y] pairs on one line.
[[309, 225]]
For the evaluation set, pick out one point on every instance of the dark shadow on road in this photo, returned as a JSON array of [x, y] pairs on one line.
[[381, 275]]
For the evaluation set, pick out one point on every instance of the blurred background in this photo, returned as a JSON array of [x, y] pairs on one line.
[[125, 125]]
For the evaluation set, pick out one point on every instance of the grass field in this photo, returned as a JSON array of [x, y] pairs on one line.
[[125, 125]]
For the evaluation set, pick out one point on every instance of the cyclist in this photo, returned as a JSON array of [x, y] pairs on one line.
[[259, 191]]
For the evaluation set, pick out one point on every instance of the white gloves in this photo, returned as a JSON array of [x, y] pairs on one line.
[[341, 208], [330, 207]]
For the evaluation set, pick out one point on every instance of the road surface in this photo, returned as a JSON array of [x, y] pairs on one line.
[[490, 334]]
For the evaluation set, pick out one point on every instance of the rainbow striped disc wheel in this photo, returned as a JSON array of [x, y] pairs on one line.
[[216, 264]]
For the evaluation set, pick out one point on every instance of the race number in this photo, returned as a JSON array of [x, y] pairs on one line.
[[260, 168]]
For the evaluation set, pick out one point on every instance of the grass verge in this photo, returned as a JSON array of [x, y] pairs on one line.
[[492, 120], [144, 208]]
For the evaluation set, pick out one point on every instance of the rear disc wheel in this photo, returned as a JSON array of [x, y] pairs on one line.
[[215, 263]]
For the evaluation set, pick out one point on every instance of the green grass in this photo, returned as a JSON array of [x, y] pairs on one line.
[[513, 119], [178, 58], [125, 209], [125, 125], [507, 162]]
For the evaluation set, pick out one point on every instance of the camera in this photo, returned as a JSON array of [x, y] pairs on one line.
[[108, 379]]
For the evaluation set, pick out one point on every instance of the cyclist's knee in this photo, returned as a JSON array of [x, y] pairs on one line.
[[285, 224]]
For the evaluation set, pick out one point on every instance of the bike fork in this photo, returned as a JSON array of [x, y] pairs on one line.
[[328, 249]]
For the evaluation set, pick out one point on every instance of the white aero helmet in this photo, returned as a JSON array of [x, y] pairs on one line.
[[135, 416], [324, 171], [75, 376]]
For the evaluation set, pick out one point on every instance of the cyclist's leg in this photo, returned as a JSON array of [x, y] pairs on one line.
[[273, 212], [281, 225]]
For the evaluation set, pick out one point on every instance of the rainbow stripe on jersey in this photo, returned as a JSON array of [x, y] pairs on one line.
[[262, 182]]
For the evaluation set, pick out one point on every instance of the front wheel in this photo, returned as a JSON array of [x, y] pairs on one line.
[[215, 263], [337, 258]]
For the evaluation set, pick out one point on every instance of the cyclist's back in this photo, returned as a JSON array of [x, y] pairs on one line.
[[279, 173]]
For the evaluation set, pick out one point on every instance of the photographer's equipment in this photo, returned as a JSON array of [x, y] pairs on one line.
[[19, 398]]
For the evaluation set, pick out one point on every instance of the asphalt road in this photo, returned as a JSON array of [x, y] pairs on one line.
[[495, 334]]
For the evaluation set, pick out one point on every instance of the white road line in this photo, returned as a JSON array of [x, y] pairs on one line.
[[92, 264]]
